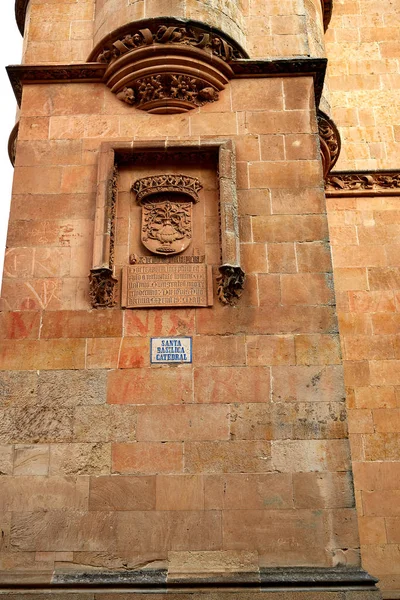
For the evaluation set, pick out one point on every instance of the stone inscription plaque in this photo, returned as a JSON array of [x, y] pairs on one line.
[[167, 350], [152, 285]]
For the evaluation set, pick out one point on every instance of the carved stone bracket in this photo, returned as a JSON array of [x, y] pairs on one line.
[[330, 143], [370, 183], [166, 65], [230, 284], [102, 288]]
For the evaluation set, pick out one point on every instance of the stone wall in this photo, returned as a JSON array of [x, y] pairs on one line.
[[117, 463], [364, 235], [362, 45]]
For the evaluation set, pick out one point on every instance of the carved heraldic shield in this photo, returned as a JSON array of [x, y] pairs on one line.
[[166, 202]]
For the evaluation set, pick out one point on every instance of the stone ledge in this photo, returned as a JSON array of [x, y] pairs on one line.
[[338, 581]]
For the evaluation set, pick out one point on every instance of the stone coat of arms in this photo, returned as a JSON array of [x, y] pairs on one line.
[[167, 202]]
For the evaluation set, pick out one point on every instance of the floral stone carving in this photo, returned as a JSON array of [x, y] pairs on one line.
[[167, 65], [166, 202]]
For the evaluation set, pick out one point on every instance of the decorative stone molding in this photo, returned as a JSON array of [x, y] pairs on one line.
[[327, 6], [165, 32], [231, 279], [330, 143], [230, 283], [369, 183], [306, 580], [166, 65], [102, 282], [12, 143], [102, 288], [21, 75]]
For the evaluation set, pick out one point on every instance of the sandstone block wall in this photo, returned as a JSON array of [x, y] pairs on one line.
[[364, 236], [118, 463], [67, 31], [362, 45]]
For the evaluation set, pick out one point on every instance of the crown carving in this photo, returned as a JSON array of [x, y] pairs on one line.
[[181, 184]]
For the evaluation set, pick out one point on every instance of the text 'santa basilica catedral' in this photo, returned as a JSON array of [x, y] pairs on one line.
[[200, 309]]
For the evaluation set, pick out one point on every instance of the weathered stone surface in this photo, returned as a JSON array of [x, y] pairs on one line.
[[37, 424], [105, 423], [169, 530], [60, 530], [122, 493], [310, 455], [237, 491], [301, 383], [302, 535], [222, 561], [72, 388], [6, 460], [18, 388], [289, 420], [31, 459], [225, 457], [26, 494], [80, 459], [323, 490]]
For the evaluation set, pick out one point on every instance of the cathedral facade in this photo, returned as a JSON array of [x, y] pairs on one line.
[[200, 310]]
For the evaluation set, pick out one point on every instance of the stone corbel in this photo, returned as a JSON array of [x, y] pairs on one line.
[[330, 143], [166, 65]]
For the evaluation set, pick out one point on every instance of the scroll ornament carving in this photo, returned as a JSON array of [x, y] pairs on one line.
[[330, 142], [230, 283], [359, 182], [102, 288], [166, 65], [179, 34]]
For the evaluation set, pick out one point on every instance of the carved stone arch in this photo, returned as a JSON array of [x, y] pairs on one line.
[[167, 65], [329, 140]]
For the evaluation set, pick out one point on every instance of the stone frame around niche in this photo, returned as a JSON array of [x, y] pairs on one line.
[[102, 279]]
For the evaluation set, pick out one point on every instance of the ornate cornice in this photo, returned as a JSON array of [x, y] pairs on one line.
[[21, 7], [12, 143], [22, 74], [95, 72], [367, 183], [284, 67], [329, 140], [327, 6], [166, 31]]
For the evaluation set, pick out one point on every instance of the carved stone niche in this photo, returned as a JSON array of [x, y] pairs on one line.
[[167, 65], [158, 246]]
